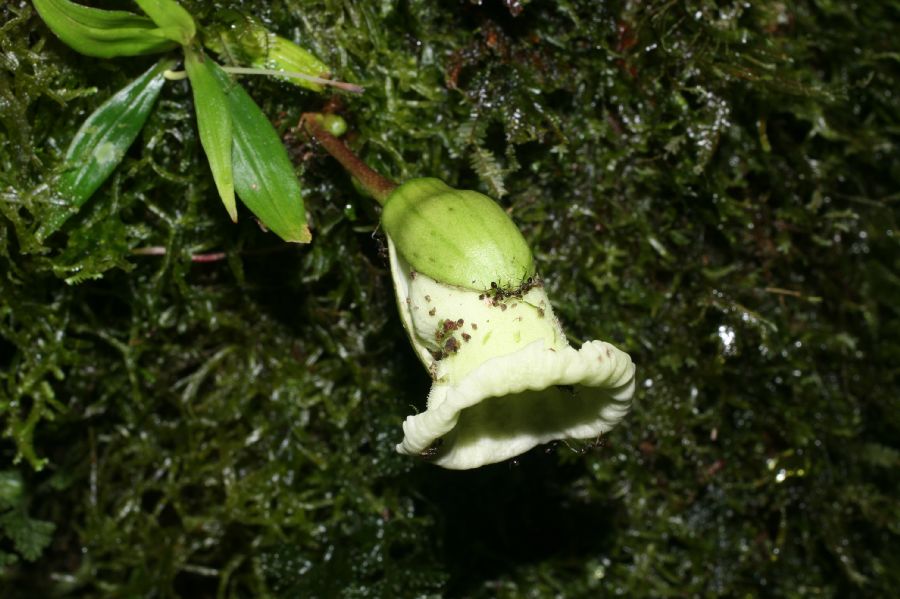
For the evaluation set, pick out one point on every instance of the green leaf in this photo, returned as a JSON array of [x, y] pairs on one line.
[[102, 33], [101, 142], [243, 38], [263, 174], [29, 536], [171, 18], [285, 55], [214, 123]]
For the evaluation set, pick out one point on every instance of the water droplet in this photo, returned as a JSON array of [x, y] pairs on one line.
[[727, 337]]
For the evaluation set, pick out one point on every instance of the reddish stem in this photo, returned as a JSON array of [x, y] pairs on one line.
[[378, 186]]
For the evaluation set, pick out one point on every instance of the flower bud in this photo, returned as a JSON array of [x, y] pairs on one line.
[[505, 379], [243, 38], [461, 238]]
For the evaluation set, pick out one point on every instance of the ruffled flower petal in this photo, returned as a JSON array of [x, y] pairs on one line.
[[505, 377]]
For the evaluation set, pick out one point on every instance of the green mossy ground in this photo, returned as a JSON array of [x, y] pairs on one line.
[[711, 186]]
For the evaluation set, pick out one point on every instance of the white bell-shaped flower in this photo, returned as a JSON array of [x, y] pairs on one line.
[[505, 379]]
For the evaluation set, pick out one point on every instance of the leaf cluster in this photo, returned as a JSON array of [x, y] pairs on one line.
[[224, 111]]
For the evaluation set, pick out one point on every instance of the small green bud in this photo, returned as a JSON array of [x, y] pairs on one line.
[[334, 124], [460, 238]]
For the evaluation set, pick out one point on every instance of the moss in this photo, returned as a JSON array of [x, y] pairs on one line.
[[712, 186]]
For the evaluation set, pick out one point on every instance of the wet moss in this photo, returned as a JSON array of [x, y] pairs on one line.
[[200, 408]]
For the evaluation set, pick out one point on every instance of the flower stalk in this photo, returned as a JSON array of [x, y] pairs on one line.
[[375, 184]]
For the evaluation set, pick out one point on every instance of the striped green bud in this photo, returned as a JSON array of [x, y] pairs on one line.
[[460, 238]]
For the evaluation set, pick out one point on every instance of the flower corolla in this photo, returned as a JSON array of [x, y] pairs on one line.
[[505, 378]]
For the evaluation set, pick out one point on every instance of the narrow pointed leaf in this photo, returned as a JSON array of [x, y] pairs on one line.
[[101, 142], [174, 20], [263, 174], [214, 123], [102, 33]]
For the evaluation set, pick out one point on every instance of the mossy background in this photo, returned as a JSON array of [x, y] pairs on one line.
[[711, 186]]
